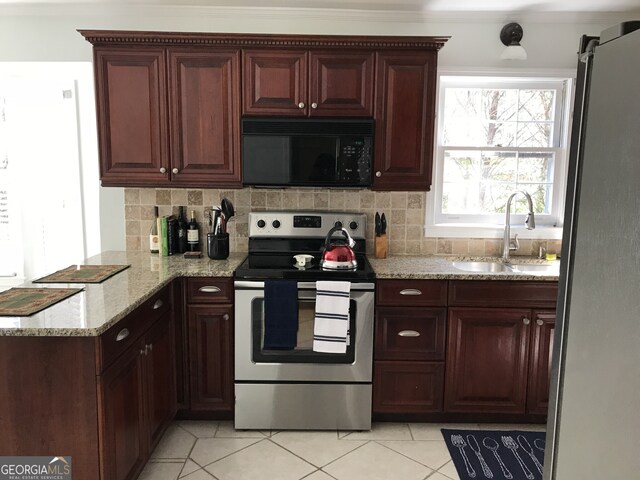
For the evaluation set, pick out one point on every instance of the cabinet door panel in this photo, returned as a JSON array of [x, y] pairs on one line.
[[410, 333], [132, 118], [124, 437], [487, 360], [407, 387], [210, 358], [341, 84], [274, 82], [160, 377], [540, 365], [405, 110], [205, 117]]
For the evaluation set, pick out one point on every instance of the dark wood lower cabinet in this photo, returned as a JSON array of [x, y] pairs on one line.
[[488, 350], [137, 396], [407, 387], [210, 354], [540, 363], [123, 435]]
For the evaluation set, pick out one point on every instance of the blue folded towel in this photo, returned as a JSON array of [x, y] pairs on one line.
[[280, 314]]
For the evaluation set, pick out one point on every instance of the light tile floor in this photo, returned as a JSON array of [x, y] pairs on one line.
[[203, 450]]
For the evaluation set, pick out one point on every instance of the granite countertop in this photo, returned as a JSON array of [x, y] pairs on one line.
[[441, 267], [92, 311]]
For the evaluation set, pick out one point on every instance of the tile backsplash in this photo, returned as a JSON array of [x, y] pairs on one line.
[[405, 212]]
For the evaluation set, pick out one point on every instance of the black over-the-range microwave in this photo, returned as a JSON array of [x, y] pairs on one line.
[[307, 152]]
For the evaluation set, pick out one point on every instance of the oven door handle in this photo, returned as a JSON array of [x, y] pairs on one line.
[[301, 285]]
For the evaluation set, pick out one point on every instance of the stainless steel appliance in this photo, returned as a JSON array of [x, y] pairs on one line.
[[307, 152], [593, 429], [299, 388]]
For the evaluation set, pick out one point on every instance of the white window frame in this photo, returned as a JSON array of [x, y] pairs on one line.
[[492, 226]]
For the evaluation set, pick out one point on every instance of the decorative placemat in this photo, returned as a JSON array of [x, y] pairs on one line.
[[22, 302], [83, 274], [507, 454]]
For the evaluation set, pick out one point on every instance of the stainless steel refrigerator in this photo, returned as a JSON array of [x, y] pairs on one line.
[[593, 431]]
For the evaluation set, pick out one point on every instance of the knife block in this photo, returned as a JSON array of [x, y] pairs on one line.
[[381, 246]]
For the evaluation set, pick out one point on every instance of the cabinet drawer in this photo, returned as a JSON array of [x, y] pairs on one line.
[[124, 333], [410, 333], [209, 290], [482, 293], [412, 292], [407, 387]]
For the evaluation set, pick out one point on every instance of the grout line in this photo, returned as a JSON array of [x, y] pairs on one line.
[[294, 454], [257, 440], [408, 457], [350, 451]]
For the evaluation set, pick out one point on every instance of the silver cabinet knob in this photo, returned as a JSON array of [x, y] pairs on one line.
[[410, 291], [175, 170], [539, 322], [209, 289], [225, 317], [122, 334], [143, 351], [314, 105], [158, 304], [301, 105], [163, 170], [408, 333], [526, 321], [378, 173]]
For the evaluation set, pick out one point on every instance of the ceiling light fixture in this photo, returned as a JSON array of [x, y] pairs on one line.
[[510, 35]]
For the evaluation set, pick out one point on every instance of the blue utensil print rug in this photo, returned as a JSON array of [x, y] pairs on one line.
[[496, 454]]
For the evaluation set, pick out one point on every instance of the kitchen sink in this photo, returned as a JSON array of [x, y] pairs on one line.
[[487, 267], [536, 268]]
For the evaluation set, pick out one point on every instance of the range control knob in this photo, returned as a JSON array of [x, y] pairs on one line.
[[353, 225], [261, 223], [275, 224], [338, 224]]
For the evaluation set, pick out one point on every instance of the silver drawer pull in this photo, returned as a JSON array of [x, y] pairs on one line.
[[408, 333], [410, 291], [122, 334], [209, 289], [158, 304]]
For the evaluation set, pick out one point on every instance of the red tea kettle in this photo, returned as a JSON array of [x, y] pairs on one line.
[[339, 256]]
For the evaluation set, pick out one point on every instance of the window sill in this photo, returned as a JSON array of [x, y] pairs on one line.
[[467, 230]]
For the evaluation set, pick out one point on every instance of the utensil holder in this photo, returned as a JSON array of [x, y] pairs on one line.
[[381, 246], [218, 246]]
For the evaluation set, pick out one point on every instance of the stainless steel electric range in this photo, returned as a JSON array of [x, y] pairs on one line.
[[299, 388]]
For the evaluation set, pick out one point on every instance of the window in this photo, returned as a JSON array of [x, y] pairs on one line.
[[497, 136]]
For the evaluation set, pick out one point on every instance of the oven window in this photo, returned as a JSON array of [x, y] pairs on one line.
[[303, 352]]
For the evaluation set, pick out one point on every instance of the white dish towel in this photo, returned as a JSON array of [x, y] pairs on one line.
[[331, 324]]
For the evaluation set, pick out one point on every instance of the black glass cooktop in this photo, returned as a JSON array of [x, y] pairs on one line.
[[278, 265]]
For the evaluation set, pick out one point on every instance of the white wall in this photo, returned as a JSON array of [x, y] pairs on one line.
[[48, 33]]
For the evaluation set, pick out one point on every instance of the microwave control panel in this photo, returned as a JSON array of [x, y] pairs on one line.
[[355, 159]]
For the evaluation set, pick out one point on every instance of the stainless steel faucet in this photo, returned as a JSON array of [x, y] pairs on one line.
[[530, 222]]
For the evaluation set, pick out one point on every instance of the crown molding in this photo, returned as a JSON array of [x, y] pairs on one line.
[[119, 37], [101, 10]]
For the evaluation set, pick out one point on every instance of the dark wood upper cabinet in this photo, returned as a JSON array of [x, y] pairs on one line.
[[540, 362], [169, 103], [341, 84], [302, 83], [275, 82], [487, 360], [405, 112], [132, 115], [204, 104]]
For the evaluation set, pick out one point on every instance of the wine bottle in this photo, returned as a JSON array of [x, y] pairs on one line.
[[182, 231], [193, 234], [154, 241]]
